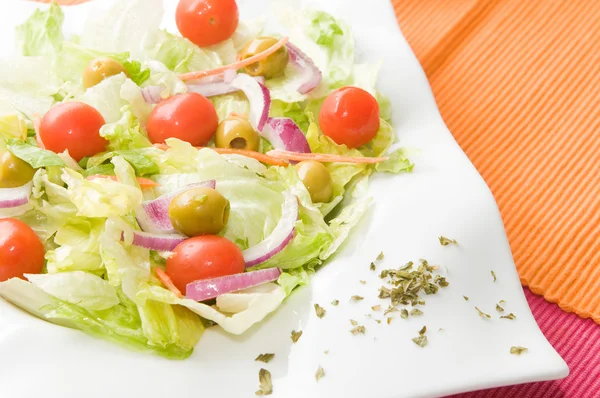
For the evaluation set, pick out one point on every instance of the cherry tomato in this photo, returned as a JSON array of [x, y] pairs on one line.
[[74, 126], [350, 116], [207, 22], [189, 117], [21, 251], [204, 257]]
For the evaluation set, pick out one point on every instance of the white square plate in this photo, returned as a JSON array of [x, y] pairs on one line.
[[444, 196]]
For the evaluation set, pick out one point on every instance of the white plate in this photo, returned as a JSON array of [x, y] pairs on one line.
[[444, 196]]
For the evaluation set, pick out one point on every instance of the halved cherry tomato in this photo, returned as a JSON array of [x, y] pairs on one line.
[[350, 116], [189, 117], [207, 22], [203, 257], [74, 126], [21, 251]]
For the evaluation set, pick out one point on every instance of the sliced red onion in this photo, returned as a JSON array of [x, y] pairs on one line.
[[211, 89], [313, 75], [158, 242], [15, 197], [259, 97], [283, 133], [153, 215], [229, 75], [207, 289], [279, 238], [153, 94]]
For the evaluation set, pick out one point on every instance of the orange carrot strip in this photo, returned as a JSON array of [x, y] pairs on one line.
[[165, 280], [323, 157], [236, 65], [145, 183], [261, 157]]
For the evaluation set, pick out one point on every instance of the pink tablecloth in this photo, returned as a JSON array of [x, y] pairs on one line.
[[576, 340]]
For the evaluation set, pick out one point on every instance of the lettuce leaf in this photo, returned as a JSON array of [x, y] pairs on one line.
[[36, 157], [41, 34], [169, 331]]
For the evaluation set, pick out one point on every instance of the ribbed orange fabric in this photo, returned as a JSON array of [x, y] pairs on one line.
[[518, 84]]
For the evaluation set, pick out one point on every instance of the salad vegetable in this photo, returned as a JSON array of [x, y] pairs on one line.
[[152, 184]]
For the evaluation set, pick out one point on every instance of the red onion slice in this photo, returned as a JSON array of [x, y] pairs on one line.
[[207, 289], [313, 75], [279, 238], [259, 97], [158, 242], [15, 197], [153, 94], [283, 133], [214, 88], [229, 75], [153, 216]]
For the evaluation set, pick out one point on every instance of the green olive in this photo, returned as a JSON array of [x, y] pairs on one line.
[[237, 132], [199, 211], [99, 69], [316, 179], [14, 172], [270, 66]]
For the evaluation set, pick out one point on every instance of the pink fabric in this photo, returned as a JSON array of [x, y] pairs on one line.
[[577, 340]]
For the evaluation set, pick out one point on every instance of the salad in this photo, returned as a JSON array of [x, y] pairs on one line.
[[153, 184]]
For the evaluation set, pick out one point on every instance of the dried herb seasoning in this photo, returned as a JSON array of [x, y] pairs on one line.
[[516, 350], [362, 282], [296, 335], [483, 314], [264, 357], [320, 311], [358, 329], [266, 385], [466, 298], [447, 241], [356, 298], [372, 267], [510, 316], [376, 307], [498, 308], [494, 275], [320, 373], [404, 313], [390, 309], [416, 312], [335, 303]]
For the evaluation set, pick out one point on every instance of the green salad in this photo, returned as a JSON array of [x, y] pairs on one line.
[[153, 184]]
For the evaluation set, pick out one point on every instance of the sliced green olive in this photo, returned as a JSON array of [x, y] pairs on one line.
[[99, 69], [14, 172], [316, 179], [237, 132], [270, 66], [199, 211]]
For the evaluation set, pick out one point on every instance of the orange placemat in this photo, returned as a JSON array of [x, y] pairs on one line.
[[518, 84]]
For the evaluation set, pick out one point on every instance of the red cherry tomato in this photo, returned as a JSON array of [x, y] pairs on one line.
[[203, 257], [21, 251], [74, 126], [350, 116], [189, 117], [207, 22]]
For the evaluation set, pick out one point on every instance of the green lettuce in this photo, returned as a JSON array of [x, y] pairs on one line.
[[170, 331], [41, 34], [33, 155], [181, 55]]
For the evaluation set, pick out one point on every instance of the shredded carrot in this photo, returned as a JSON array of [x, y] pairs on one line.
[[261, 157], [165, 280], [37, 120], [236, 65], [323, 157], [145, 183]]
